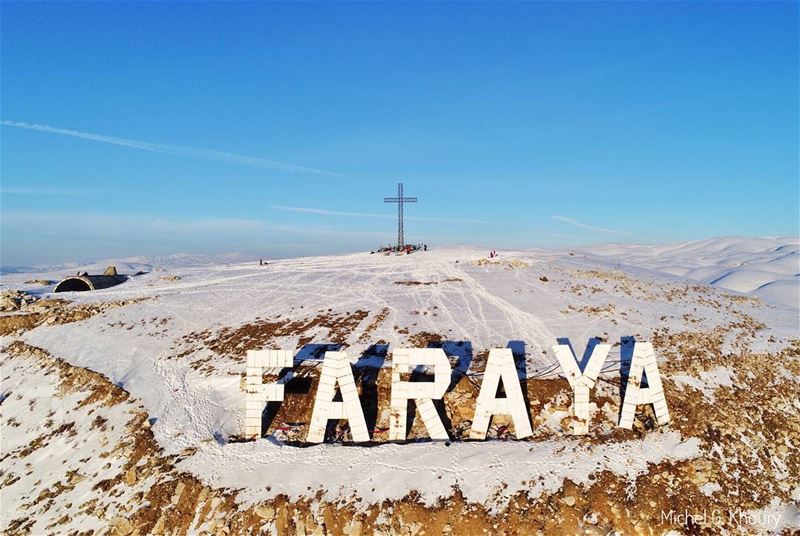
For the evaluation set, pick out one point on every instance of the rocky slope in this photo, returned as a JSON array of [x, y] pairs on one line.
[[121, 408]]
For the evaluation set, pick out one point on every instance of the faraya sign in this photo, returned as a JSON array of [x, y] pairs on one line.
[[337, 374]]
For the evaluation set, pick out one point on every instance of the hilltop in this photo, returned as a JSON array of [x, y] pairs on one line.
[[165, 351]]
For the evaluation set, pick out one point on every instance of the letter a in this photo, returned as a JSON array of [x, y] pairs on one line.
[[423, 393], [581, 382], [258, 392], [643, 361], [500, 365], [336, 371]]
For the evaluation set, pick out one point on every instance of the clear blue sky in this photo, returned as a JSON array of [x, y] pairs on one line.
[[517, 125]]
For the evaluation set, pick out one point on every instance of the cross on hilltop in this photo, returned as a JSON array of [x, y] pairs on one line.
[[400, 200]]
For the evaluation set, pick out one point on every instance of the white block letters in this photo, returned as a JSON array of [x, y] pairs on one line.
[[336, 372], [423, 393], [500, 365], [259, 393], [643, 361], [581, 382]]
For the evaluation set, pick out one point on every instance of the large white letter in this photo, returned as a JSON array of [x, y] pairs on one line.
[[336, 371], [500, 365], [259, 393], [422, 393], [581, 382], [643, 361]]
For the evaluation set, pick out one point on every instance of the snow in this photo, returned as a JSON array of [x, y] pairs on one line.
[[55, 460], [131, 265], [773, 519], [710, 488], [784, 291], [391, 471], [485, 305], [708, 383], [768, 267]]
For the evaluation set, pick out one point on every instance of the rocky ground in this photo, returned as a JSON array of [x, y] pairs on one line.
[[120, 409]]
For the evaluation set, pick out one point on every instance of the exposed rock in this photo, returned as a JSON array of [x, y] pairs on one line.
[[176, 496], [54, 311], [14, 300], [354, 528], [130, 477], [42, 282], [120, 525], [43, 306], [265, 511]]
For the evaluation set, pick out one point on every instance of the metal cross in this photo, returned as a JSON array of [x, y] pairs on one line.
[[400, 200]]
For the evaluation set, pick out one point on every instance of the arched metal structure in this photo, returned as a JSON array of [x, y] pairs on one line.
[[82, 283]]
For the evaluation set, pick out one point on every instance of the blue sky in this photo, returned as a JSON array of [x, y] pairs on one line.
[[277, 129]]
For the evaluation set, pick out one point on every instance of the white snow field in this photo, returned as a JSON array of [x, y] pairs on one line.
[[766, 267], [533, 296]]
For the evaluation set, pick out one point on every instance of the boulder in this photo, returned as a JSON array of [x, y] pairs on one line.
[[14, 300], [265, 512]]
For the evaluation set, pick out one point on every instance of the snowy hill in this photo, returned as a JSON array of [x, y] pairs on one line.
[[764, 267], [175, 338], [131, 265]]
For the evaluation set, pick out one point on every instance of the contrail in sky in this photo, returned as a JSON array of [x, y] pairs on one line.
[[325, 212], [179, 150], [576, 223]]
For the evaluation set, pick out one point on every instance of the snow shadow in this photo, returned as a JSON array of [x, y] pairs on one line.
[[314, 352], [367, 368], [295, 384], [587, 353], [268, 415], [460, 354], [625, 357], [627, 345]]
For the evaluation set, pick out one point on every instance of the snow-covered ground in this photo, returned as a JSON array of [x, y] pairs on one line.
[[155, 348], [767, 267]]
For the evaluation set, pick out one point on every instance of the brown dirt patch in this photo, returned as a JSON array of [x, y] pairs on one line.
[[377, 320], [56, 311], [233, 342], [749, 436]]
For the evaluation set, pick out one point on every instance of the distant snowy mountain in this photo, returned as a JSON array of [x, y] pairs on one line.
[[131, 265], [178, 260], [765, 267]]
